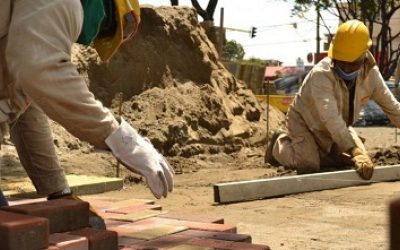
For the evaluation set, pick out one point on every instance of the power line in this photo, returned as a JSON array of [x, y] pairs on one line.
[[279, 42]]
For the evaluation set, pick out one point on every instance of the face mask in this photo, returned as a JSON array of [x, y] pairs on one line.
[[344, 75]]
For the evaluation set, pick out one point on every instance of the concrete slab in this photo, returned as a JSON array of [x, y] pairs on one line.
[[279, 186]]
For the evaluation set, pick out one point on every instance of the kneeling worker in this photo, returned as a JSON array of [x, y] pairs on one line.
[[319, 132]]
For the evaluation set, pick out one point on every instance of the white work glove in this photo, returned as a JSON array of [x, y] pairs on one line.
[[138, 155]]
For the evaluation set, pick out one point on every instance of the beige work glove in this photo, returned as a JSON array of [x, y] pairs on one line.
[[138, 155], [362, 163]]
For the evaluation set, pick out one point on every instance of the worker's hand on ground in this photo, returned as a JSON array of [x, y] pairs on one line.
[[362, 163], [138, 155]]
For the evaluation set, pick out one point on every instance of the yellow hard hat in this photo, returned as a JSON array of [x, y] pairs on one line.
[[128, 19], [350, 42]]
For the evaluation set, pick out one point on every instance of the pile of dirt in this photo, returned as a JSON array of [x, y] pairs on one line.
[[175, 90], [386, 156]]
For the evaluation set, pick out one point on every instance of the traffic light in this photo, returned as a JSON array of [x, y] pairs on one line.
[[253, 32]]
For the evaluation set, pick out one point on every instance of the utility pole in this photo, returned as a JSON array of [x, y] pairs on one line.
[[221, 33], [317, 54]]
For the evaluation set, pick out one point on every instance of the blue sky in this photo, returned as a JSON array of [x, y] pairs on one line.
[[276, 36]]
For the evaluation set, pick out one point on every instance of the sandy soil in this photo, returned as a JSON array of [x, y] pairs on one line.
[[348, 218], [212, 129]]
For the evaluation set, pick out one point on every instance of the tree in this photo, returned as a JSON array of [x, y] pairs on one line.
[[207, 14], [376, 14], [233, 50], [208, 18]]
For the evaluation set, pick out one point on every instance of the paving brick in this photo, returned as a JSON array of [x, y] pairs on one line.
[[131, 202], [162, 243], [52, 248], [124, 241], [228, 245], [12, 201], [129, 228], [99, 239], [65, 241], [63, 214], [193, 224], [190, 217], [135, 216], [156, 232], [18, 231], [114, 223], [190, 247], [99, 204], [217, 235], [394, 229], [133, 209]]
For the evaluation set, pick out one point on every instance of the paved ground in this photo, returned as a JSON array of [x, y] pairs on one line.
[[348, 218]]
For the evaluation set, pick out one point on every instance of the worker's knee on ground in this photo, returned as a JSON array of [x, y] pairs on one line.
[[306, 167]]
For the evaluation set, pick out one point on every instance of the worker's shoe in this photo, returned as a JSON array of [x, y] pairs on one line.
[[3, 200], [95, 220], [269, 158]]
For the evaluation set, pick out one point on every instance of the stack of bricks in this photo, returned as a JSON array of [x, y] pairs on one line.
[[131, 225]]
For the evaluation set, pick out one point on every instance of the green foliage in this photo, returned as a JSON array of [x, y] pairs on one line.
[[233, 50], [257, 61], [376, 14]]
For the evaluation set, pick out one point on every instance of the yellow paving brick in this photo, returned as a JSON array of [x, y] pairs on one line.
[[80, 184]]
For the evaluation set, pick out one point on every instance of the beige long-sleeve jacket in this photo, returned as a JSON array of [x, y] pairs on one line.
[[323, 102], [35, 66]]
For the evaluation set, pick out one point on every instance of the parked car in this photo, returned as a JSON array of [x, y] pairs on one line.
[[372, 114]]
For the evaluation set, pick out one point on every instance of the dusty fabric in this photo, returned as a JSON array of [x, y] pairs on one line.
[[39, 41], [317, 119], [37, 75], [298, 148], [33, 140], [323, 103]]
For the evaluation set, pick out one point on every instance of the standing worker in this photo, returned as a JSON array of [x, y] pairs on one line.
[[37, 79], [319, 132]]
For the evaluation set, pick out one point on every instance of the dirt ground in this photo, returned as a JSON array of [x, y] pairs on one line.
[[212, 129], [347, 218]]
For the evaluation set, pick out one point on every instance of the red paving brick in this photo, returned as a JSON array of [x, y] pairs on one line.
[[133, 209], [394, 229], [63, 214], [65, 241], [194, 217], [18, 231], [127, 241], [216, 235], [204, 232], [162, 243], [192, 224], [228, 245], [99, 239]]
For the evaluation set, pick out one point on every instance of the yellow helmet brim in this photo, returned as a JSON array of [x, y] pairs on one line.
[[106, 47]]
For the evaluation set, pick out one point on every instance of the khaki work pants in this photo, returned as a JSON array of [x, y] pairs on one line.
[[33, 140], [299, 150], [36, 37]]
